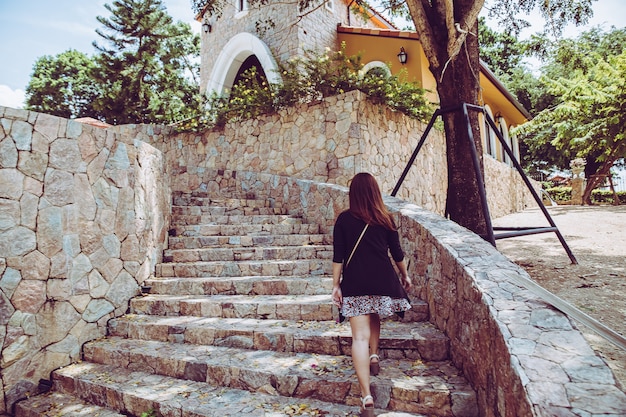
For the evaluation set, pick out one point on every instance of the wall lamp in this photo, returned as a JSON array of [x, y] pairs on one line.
[[402, 56], [206, 27]]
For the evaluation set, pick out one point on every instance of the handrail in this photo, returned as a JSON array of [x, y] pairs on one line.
[[562, 305]]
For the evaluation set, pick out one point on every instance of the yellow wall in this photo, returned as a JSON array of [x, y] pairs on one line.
[[386, 48]]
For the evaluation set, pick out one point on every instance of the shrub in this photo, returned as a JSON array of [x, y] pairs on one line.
[[606, 196], [560, 194]]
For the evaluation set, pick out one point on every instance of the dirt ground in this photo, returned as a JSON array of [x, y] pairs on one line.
[[596, 236]]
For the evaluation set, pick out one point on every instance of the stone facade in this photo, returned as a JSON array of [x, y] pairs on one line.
[[293, 34], [84, 211], [331, 141], [83, 215]]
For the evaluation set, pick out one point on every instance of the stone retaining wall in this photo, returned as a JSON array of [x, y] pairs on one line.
[[84, 211], [523, 357], [83, 215], [330, 141]]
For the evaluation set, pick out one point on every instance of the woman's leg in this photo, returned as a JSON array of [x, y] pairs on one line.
[[374, 338], [360, 326], [374, 333]]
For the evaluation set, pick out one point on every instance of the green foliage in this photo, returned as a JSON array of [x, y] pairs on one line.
[[556, 13], [502, 52], [310, 78], [146, 73], [588, 119], [144, 67], [584, 93], [560, 194], [564, 195], [62, 85], [149, 413]]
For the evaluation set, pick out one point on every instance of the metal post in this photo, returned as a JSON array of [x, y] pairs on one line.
[[520, 170], [415, 152]]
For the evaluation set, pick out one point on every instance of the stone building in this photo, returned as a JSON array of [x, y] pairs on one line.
[[242, 37]]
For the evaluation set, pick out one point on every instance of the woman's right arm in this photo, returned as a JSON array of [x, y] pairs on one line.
[[404, 275]]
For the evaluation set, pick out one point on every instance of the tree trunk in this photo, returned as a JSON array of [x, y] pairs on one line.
[[458, 83], [596, 179], [448, 31]]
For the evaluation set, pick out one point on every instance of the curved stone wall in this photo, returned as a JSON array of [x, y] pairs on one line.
[[83, 212]]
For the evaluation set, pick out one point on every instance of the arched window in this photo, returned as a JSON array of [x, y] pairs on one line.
[[375, 68], [234, 56], [251, 62], [490, 139]]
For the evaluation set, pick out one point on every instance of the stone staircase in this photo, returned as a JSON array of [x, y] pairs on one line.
[[238, 322]]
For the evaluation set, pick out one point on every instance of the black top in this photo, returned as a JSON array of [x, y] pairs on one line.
[[370, 271]]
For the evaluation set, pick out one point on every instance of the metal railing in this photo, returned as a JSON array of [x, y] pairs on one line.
[[602, 330]]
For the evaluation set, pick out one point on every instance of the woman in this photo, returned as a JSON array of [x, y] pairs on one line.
[[363, 237]]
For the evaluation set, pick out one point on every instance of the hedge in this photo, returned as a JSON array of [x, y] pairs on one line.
[[564, 195]]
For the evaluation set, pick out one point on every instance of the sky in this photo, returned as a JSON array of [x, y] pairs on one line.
[[30, 29]]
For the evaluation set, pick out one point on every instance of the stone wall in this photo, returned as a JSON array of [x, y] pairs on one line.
[[83, 212], [523, 357], [330, 141], [293, 33]]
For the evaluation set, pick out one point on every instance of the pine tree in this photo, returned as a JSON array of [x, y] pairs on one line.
[[144, 67]]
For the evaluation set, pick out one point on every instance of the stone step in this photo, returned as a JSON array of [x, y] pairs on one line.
[[288, 306], [303, 267], [186, 210], [204, 199], [251, 285], [234, 219], [135, 392], [244, 230], [267, 253], [406, 385], [272, 298], [418, 340], [61, 404], [184, 242], [295, 307]]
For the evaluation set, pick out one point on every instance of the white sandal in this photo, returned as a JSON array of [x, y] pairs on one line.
[[368, 409], [374, 366]]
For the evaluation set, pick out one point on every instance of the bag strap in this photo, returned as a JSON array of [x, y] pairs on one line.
[[356, 244]]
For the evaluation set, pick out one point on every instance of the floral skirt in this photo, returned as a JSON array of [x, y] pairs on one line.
[[383, 305]]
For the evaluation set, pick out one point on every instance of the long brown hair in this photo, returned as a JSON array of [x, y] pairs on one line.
[[366, 201]]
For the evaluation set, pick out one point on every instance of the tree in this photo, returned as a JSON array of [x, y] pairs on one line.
[[588, 119], [448, 33], [146, 73], [502, 52], [62, 85], [564, 59]]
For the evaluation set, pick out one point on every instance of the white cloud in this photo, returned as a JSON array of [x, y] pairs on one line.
[[12, 98]]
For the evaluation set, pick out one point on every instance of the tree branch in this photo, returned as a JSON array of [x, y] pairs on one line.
[[424, 30]]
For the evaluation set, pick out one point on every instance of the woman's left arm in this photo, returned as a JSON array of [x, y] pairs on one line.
[[336, 295]]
